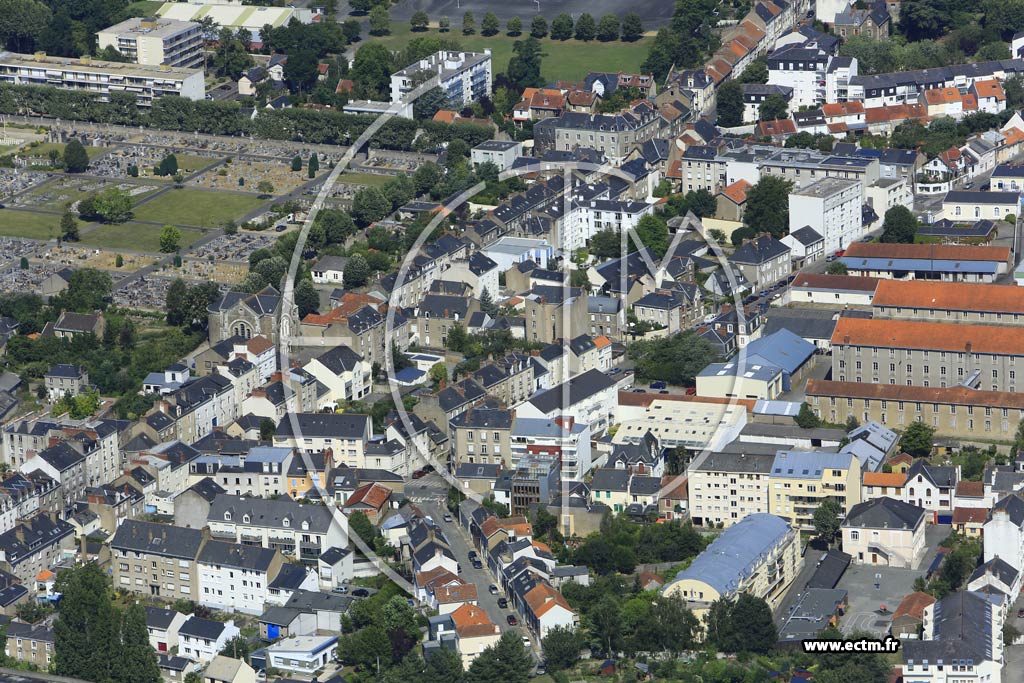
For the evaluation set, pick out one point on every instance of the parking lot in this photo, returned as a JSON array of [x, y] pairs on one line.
[[869, 588]]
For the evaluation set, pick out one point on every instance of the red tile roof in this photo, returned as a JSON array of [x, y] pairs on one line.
[[920, 334], [842, 109], [913, 605], [777, 127], [954, 296], [962, 515], [943, 252], [836, 282], [543, 598], [970, 489], [896, 392], [989, 88], [737, 192], [884, 479], [373, 495]]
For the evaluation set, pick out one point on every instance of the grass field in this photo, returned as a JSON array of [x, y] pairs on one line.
[[371, 179], [39, 226], [43, 150], [197, 207], [143, 8], [133, 236], [564, 60]]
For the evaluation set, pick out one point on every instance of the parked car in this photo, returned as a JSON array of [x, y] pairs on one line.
[[361, 593], [447, 518], [477, 564], [472, 555], [830, 258], [658, 385], [512, 621], [639, 391], [526, 642], [281, 228], [503, 603], [492, 589], [1020, 613], [340, 589], [691, 391]]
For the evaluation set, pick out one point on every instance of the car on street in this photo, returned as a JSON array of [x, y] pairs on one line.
[[448, 518], [639, 391], [1020, 613], [511, 619], [658, 385], [340, 589], [472, 555], [361, 593], [503, 603], [492, 589], [477, 564], [830, 258], [526, 641]]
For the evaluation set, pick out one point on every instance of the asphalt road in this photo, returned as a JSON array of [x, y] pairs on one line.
[[429, 495]]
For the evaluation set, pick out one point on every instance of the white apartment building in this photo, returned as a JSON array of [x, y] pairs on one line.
[[725, 488], [563, 436], [156, 41], [147, 83], [465, 77], [234, 576], [832, 207], [202, 639]]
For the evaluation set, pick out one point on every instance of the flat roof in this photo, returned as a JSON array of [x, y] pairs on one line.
[[159, 27], [93, 66]]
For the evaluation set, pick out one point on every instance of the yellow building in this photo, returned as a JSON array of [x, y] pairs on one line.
[[801, 480], [760, 555]]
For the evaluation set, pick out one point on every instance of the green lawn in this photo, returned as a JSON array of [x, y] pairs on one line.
[[371, 179], [134, 237], [564, 60], [43, 150], [202, 208], [40, 226], [143, 8]]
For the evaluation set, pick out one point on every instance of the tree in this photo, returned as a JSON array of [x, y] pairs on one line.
[[267, 429], [170, 237], [371, 70], [676, 359], [827, 519], [806, 419], [112, 205], [561, 647], [307, 299], [605, 624], [351, 29], [837, 268], [514, 27], [230, 58], [899, 226], [69, 226], [76, 160], [265, 188], [313, 167], [606, 243], [652, 230], [524, 66], [296, 163], [607, 28], [539, 29], [357, 271], [506, 661], [468, 24], [768, 206], [561, 27], [741, 625], [443, 666], [399, 621], [168, 166], [85, 633], [174, 302], [586, 27], [136, 657], [632, 27], [366, 647], [490, 25], [439, 373], [774, 107], [701, 203], [370, 205], [419, 21], [730, 105], [380, 21], [917, 439]]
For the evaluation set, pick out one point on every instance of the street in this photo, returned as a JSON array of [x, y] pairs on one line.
[[429, 495]]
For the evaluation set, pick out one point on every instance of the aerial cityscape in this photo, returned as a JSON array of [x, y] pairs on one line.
[[467, 341]]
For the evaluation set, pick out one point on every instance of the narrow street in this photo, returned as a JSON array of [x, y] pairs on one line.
[[429, 495]]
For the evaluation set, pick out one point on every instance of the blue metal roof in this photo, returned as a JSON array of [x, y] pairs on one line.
[[782, 348], [920, 264], [736, 552]]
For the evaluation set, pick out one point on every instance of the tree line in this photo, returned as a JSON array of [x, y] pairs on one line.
[[224, 118]]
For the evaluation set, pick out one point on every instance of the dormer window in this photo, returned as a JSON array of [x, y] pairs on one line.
[[245, 519], [227, 516], [286, 522], [305, 526]]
